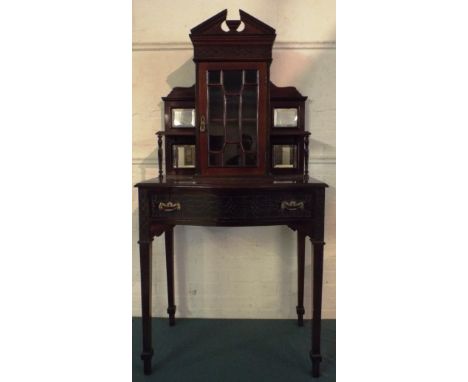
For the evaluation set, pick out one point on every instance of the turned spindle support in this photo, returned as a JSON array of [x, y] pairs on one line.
[[306, 155], [160, 153]]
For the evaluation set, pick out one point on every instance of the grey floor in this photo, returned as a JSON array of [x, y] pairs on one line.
[[205, 350]]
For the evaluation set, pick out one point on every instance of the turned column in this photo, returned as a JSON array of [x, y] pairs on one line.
[[160, 154]]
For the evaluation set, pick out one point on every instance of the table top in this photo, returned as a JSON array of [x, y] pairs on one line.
[[232, 182]]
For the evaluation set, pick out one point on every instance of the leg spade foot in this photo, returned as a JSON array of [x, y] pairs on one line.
[[316, 359], [171, 311], [146, 357], [145, 270], [317, 281], [300, 315]]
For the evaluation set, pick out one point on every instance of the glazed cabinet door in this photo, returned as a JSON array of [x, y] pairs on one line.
[[232, 118]]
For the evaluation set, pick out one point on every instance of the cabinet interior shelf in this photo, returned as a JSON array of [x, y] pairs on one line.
[[287, 131], [183, 132]]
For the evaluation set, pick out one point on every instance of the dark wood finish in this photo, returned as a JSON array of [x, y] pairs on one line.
[[289, 139], [177, 139], [160, 153], [272, 97], [288, 97], [145, 269], [286, 93], [205, 169], [178, 98], [211, 43], [315, 355], [300, 277], [288, 132], [171, 309], [306, 155], [249, 48], [298, 203], [182, 132], [217, 206], [145, 242], [279, 97], [180, 93], [260, 195]]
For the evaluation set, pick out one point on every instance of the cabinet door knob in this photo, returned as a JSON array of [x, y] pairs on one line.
[[292, 205], [202, 124], [169, 206]]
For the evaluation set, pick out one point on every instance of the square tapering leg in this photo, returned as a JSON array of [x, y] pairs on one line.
[[317, 281], [300, 277], [169, 239], [145, 270]]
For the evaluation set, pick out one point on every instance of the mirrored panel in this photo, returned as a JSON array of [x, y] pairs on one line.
[[285, 117], [183, 156], [284, 156], [183, 117]]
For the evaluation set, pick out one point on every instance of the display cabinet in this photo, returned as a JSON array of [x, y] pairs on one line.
[[234, 121], [233, 152], [179, 133]]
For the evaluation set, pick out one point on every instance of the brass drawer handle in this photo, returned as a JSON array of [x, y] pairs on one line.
[[169, 206], [292, 205]]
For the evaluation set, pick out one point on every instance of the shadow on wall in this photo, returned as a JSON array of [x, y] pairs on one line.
[[314, 77], [183, 76]]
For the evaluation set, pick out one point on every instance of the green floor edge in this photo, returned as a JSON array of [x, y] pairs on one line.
[[228, 350]]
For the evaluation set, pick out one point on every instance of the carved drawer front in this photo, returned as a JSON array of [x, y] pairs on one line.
[[205, 205]]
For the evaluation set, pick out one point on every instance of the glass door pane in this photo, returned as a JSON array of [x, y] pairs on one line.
[[232, 117]]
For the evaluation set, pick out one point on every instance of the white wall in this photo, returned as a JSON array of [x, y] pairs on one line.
[[235, 272]]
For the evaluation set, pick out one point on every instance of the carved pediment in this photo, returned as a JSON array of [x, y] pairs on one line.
[[247, 39], [213, 26], [210, 26]]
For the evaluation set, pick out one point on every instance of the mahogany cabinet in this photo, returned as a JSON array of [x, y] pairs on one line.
[[236, 151], [234, 121]]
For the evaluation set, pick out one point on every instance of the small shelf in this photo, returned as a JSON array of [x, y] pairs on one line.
[[289, 132], [186, 132], [232, 119]]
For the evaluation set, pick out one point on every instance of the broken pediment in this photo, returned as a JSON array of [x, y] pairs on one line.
[[214, 26], [247, 39]]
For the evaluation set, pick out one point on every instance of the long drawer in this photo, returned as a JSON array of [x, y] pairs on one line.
[[209, 205]]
